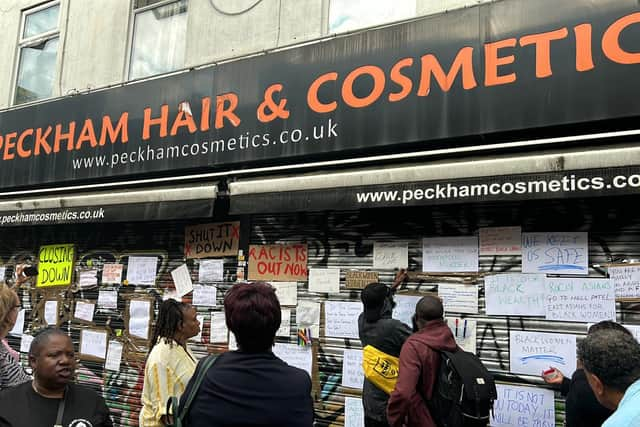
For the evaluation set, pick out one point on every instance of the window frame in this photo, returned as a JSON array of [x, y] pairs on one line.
[[132, 25], [33, 41]]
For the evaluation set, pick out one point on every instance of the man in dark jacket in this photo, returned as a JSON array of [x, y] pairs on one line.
[[378, 329], [419, 363]]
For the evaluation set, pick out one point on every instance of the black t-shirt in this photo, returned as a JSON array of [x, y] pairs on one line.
[[21, 406], [582, 408], [251, 389]]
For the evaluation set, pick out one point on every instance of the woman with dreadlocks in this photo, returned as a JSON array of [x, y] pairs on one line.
[[170, 364]]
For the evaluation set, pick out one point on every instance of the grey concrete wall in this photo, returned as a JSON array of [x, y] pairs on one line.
[[94, 41], [272, 23]]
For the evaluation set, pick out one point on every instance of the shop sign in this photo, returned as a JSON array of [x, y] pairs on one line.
[[520, 187], [432, 83]]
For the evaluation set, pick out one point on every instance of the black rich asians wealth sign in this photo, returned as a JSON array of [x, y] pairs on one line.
[[503, 66]]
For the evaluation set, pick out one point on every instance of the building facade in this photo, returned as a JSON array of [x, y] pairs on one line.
[[488, 147]]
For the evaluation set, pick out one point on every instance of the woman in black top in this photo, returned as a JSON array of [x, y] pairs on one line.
[[581, 406]]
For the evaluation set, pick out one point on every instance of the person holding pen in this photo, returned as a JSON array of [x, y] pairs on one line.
[[581, 406]]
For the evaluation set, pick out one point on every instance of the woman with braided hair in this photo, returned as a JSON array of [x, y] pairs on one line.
[[170, 364]]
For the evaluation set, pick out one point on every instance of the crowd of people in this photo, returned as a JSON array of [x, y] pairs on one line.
[[253, 387]]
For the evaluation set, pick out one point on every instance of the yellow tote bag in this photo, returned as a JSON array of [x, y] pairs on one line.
[[380, 368]]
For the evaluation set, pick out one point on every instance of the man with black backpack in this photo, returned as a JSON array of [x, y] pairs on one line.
[[439, 385]]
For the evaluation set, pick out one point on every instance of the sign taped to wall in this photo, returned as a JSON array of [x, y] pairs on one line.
[[55, 265], [284, 263], [217, 239]]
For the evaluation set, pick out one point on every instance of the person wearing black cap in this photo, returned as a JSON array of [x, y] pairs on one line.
[[377, 329]]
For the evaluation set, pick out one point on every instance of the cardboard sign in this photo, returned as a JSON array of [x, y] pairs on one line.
[[500, 241], [212, 240], [284, 263], [55, 265], [555, 253], [359, 279]]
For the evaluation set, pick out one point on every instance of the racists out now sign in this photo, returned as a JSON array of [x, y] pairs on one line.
[[212, 240], [278, 262]]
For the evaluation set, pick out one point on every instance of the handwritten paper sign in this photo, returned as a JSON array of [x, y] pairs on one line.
[[51, 312], [295, 355], [353, 412], [282, 263], [107, 299], [3, 272], [219, 331], [390, 255], [18, 328], [88, 279], [142, 270], [450, 254], [515, 294], [93, 343], [25, 343], [464, 331], [114, 356], [341, 318], [405, 307], [182, 280], [519, 406], [359, 279], [352, 374], [287, 292], [112, 273], [139, 318], [324, 280], [55, 265], [204, 296], [580, 299], [459, 298], [500, 241], [533, 352], [555, 253], [198, 337], [212, 240], [233, 344], [626, 281], [285, 323], [308, 316], [211, 270], [84, 311]]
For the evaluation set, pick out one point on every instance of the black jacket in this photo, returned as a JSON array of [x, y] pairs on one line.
[[582, 408], [388, 335], [251, 389]]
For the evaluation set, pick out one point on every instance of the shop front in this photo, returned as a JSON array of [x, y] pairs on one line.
[[485, 150]]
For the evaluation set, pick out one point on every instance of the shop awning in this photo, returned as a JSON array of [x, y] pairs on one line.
[[116, 205], [588, 173]]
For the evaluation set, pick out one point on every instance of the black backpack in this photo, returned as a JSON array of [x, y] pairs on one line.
[[464, 391]]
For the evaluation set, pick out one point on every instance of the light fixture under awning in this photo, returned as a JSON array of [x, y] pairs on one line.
[[117, 205], [598, 172]]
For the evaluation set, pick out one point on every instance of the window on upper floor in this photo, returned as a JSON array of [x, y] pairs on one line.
[[38, 53], [159, 37], [347, 15]]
